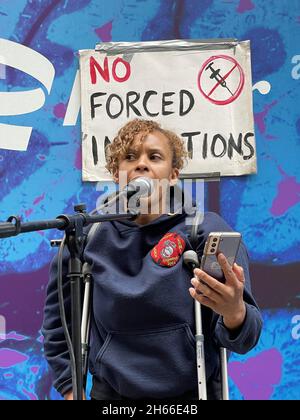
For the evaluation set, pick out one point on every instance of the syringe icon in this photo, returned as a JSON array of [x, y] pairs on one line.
[[215, 74]]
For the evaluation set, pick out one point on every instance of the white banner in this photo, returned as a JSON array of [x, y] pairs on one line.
[[200, 90]]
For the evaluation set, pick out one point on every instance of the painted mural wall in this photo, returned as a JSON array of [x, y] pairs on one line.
[[40, 166]]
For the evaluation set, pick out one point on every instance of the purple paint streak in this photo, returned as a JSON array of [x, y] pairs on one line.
[[35, 369], [259, 117], [28, 212], [30, 395], [104, 32], [244, 6], [60, 110], [39, 199], [41, 157], [249, 378], [78, 159], [35, 202], [270, 137], [9, 358], [288, 194], [36, 26]]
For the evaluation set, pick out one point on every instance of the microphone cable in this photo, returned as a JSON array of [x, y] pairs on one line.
[[63, 317]]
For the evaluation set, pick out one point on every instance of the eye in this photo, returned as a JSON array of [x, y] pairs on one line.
[[155, 157], [130, 156]]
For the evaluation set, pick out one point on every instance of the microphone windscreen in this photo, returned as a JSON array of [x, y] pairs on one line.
[[142, 186]]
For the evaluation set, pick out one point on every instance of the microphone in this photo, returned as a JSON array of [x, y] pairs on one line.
[[140, 187], [190, 258]]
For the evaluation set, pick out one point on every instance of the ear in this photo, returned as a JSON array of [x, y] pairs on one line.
[[174, 176]]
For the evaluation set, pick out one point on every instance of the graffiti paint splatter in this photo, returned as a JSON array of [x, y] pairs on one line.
[[60, 110], [9, 358], [249, 378], [245, 6], [288, 195], [260, 117], [104, 32]]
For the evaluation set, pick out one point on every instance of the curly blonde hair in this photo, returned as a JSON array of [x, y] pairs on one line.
[[117, 150]]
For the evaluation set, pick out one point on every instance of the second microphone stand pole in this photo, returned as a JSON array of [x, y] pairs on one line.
[[74, 241]]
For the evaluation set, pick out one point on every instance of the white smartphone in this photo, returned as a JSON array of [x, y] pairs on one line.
[[226, 243]]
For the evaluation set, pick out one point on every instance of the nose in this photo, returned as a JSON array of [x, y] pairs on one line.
[[142, 164]]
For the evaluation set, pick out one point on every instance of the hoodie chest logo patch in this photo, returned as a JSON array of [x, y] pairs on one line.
[[168, 250]]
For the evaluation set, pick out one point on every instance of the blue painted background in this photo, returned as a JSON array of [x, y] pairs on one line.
[[45, 180]]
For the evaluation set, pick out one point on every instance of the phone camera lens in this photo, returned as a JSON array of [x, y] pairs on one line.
[[215, 239], [213, 245], [212, 250]]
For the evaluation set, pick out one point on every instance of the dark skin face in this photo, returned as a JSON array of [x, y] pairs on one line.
[[151, 158]]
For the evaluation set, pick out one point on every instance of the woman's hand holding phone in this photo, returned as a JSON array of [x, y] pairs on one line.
[[224, 299]]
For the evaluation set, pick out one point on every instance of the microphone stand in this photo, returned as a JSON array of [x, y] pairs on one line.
[[73, 227]]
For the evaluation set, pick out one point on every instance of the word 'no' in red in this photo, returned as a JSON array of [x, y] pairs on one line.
[[118, 65]]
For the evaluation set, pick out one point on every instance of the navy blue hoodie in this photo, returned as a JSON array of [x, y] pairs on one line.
[[143, 327]]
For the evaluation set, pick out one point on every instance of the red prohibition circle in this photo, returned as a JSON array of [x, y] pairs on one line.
[[239, 88]]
